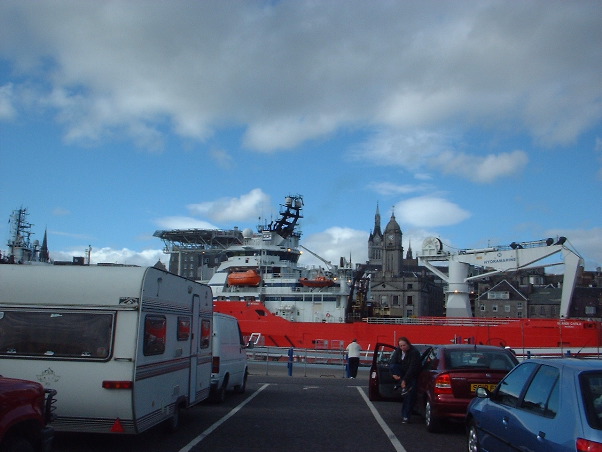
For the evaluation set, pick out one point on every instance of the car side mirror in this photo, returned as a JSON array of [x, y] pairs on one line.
[[483, 393]]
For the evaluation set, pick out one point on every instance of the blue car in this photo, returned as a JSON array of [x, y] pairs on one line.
[[549, 405]]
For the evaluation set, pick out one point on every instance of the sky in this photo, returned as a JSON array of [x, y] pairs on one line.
[[478, 122]]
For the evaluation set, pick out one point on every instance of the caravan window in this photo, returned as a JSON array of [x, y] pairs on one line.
[[56, 334], [155, 331], [184, 328], [205, 333]]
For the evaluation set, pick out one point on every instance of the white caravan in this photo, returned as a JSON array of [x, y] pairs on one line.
[[125, 347], [229, 370]]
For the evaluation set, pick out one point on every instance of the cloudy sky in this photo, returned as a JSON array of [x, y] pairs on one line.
[[476, 122]]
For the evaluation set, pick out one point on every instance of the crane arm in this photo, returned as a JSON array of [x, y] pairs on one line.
[[499, 260]]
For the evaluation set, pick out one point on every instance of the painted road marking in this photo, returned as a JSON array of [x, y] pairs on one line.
[[216, 424]]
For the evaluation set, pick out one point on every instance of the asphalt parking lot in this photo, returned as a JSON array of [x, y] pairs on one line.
[[315, 409]]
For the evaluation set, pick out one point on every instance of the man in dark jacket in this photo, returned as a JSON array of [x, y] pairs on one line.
[[405, 366]]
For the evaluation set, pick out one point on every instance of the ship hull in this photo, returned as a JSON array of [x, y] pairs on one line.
[[256, 320]]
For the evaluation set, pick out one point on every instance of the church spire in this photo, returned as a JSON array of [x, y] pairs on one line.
[[377, 231], [409, 254], [44, 256]]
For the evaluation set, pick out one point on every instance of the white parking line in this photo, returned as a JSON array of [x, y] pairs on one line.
[[206, 433], [396, 444]]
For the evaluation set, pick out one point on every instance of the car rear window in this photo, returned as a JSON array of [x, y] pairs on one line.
[[591, 393], [494, 360]]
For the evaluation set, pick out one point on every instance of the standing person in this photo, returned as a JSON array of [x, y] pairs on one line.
[[405, 366], [353, 355]]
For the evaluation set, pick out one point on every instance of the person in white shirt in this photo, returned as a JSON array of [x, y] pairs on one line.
[[353, 354]]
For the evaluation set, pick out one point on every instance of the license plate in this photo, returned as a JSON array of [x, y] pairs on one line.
[[489, 386]]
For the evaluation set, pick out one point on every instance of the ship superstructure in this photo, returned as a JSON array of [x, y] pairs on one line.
[[21, 249], [264, 268], [261, 267]]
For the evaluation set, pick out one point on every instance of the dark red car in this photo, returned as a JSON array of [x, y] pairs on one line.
[[25, 412], [448, 380]]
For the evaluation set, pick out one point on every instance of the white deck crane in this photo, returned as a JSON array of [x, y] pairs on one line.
[[328, 263], [497, 259]]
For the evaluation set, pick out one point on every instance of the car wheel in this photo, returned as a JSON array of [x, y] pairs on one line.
[[433, 424], [472, 438], [18, 444], [242, 388], [220, 392]]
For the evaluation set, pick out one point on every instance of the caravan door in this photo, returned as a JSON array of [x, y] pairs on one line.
[[194, 347], [200, 348]]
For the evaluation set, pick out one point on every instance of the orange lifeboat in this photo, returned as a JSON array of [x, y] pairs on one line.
[[319, 281], [246, 278]]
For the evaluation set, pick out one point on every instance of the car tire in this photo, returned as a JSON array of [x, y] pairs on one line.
[[240, 389], [433, 423], [219, 396], [17, 444], [472, 440]]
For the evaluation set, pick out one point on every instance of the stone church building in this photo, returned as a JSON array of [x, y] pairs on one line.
[[397, 285]]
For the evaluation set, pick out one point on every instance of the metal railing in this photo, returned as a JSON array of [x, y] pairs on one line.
[[333, 362]]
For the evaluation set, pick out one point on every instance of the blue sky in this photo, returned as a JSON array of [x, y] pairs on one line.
[[476, 122]]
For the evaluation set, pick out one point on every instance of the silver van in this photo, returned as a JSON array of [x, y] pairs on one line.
[[229, 369]]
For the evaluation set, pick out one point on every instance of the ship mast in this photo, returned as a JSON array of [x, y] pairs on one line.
[[19, 246]]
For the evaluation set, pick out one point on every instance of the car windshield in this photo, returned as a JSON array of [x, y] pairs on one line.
[[490, 359], [591, 392]]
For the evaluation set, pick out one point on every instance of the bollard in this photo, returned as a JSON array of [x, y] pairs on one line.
[[290, 362], [346, 365], [568, 353], [528, 354]]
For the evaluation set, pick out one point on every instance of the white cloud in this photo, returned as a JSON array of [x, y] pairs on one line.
[[7, 109], [60, 212], [481, 169], [426, 150], [183, 223], [122, 256], [334, 243], [222, 158], [429, 212], [227, 210], [598, 150], [388, 188], [308, 68]]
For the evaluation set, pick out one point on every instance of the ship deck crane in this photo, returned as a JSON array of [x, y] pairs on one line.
[[328, 263], [497, 259]]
